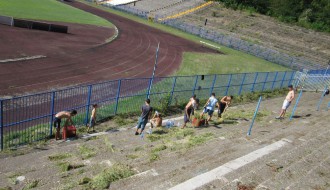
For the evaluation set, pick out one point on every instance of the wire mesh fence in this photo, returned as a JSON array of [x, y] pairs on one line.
[[230, 41], [30, 118]]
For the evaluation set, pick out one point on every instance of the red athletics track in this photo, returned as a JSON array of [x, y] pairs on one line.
[[84, 60]]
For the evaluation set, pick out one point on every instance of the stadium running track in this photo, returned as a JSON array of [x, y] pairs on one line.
[[82, 57]]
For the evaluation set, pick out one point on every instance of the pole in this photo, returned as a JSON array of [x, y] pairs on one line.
[[213, 83], [118, 95], [196, 80], [88, 103], [172, 91], [1, 124], [153, 72], [321, 99], [240, 89], [254, 116], [52, 110], [295, 106], [254, 82], [274, 80], [228, 85]]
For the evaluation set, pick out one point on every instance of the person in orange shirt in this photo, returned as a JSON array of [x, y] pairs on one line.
[[287, 102]]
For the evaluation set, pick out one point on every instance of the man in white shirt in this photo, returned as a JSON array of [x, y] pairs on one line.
[[209, 107]]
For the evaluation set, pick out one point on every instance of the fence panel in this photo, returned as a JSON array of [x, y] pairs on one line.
[[29, 118], [25, 119]]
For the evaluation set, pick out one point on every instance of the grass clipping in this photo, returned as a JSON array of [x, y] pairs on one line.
[[116, 172]]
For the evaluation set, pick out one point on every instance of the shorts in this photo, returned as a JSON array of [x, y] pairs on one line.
[[286, 104], [186, 117], [92, 123], [142, 123], [57, 123], [221, 109], [208, 111]]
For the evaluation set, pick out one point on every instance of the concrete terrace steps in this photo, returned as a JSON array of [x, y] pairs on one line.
[[265, 168], [202, 158]]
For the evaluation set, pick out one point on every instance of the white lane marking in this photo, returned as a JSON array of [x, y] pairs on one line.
[[151, 172], [22, 58], [209, 44], [219, 172]]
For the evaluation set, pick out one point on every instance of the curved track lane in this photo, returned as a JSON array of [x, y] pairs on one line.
[[131, 55]]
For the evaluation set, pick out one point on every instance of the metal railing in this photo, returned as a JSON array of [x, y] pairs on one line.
[[29, 118]]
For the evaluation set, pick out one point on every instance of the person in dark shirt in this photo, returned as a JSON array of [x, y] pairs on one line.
[[144, 118]]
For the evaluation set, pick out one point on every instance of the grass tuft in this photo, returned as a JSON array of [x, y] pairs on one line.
[[66, 166], [86, 152], [31, 184], [60, 156], [200, 139], [116, 172]]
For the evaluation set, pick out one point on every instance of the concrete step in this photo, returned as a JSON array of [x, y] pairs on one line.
[[294, 173], [265, 168]]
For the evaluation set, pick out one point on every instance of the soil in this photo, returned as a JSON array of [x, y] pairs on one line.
[[265, 31], [302, 164], [82, 57]]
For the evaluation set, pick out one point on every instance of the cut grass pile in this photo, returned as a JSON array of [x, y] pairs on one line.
[[31, 184], [107, 176], [59, 156], [86, 152], [66, 166], [49, 10]]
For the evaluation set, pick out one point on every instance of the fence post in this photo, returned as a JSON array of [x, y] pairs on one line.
[[172, 91], [255, 80], [88, 103], [196, 80], [149, 87], [228, 85], [240, 89], [263, 87], [254, 116], [1, 123], [52, 110], [295, 106], [274, 80], [283, 79], [118, 95], [213, 83], [321, 99], [291, 78]]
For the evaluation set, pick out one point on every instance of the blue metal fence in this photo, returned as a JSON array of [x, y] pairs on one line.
[[29, 118]]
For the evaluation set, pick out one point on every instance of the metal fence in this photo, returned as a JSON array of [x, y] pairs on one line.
[[29, 118], [313, 80], [268, 54]]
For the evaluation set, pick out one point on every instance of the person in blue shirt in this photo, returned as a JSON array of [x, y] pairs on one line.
[[209, 107]]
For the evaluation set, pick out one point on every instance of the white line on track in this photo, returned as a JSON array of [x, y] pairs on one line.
[[221, 171], [22, 58], [209, 44]]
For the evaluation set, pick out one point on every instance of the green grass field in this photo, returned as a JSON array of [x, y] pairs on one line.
[[200, 63], [232, 61], [50, 10]]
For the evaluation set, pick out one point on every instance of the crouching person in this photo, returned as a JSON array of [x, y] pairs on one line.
[[58, 119]]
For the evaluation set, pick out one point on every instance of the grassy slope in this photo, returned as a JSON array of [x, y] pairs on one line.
[[50, 10], [194, 63], [223, 64]]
